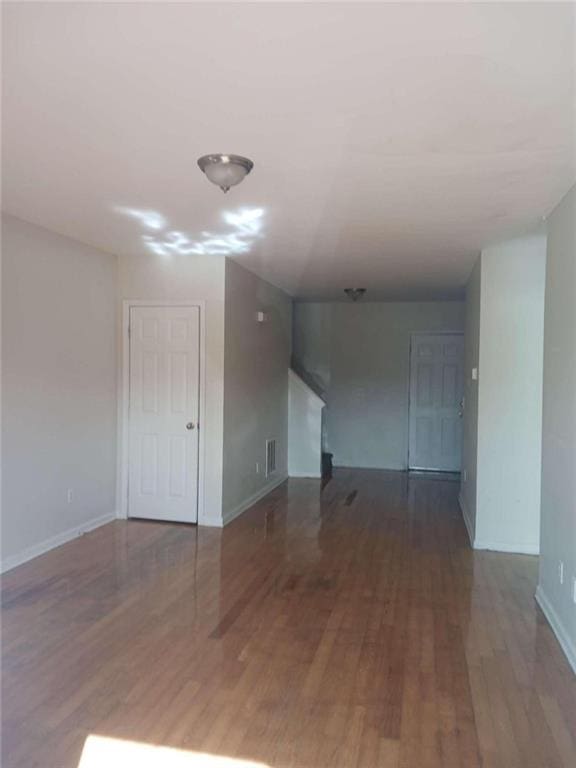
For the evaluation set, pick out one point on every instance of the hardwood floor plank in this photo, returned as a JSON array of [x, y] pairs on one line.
[[345, 626]]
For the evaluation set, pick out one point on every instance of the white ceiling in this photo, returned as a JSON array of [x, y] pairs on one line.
[[391, 141]]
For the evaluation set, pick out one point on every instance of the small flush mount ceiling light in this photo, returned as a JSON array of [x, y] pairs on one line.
[[354, 293], [225, 170]]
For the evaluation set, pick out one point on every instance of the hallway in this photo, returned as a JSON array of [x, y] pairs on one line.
[[352, 626]]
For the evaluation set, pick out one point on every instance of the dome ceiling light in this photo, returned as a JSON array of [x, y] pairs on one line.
[[225, 170], [354, 293]]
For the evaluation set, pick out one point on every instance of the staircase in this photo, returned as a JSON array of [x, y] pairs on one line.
[[304, 428]]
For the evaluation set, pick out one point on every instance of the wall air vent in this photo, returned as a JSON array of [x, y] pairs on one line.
[[270, 457]]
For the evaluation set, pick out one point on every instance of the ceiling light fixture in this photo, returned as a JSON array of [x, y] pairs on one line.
[[225, 170], [354, 293]]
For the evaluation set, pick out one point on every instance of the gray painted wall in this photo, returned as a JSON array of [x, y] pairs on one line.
[[359, 355], [470, 417], [558, 518], [190, 278], [256, 362], [58, 387]]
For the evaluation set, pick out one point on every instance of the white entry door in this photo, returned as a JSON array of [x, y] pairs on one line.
[[163, 418], [436, 388]]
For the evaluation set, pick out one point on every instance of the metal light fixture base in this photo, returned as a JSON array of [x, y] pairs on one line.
[[355, 293], [206, 161]]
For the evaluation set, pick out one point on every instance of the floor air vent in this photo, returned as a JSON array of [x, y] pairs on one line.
[[350, 498]]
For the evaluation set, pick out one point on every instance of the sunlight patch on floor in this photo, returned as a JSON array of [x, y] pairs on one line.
[[106, 752]]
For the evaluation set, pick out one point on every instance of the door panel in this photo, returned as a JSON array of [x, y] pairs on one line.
[[164, 399], [425, 382], [436, 387]]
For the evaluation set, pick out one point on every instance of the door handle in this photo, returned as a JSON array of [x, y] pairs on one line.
[[190, 425]]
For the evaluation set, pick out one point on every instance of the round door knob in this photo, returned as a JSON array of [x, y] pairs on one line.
[[190, 425]]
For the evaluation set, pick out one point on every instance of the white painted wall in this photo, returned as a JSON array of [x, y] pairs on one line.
[[501, 496], [58, 389], [304, 429], [510, 395], [187, 278], [256, 362], [470, 415], [360, 355], [558, 523]]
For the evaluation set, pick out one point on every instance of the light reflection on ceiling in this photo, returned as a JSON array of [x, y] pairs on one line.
[[149, 219], [243, 227]]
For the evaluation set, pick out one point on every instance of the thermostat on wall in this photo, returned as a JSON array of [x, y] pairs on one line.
[[261, 317]]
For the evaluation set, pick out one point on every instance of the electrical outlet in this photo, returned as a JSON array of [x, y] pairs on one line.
[[561, 571], [474, 374], [69, 495]]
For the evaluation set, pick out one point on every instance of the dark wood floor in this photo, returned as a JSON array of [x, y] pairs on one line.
[[348, 627]]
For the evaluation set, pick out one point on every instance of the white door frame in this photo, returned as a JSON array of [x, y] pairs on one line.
[[124, 401], [412, 334]]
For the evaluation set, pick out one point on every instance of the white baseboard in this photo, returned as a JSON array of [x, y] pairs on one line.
[[311, 475], [466, 517], [341, 464], [494, 546], [54, 541], [227, 517], [514, 549], [566, 643]]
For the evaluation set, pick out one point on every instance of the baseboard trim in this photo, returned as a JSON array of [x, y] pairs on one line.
[[493, 546], [513, 549], [339, 464], [557, 627], [466, 518], [309, 475], [54, 541], [227, 517]]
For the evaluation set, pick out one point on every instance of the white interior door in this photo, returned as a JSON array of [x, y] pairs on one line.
[[436, 388], [163, 417]]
